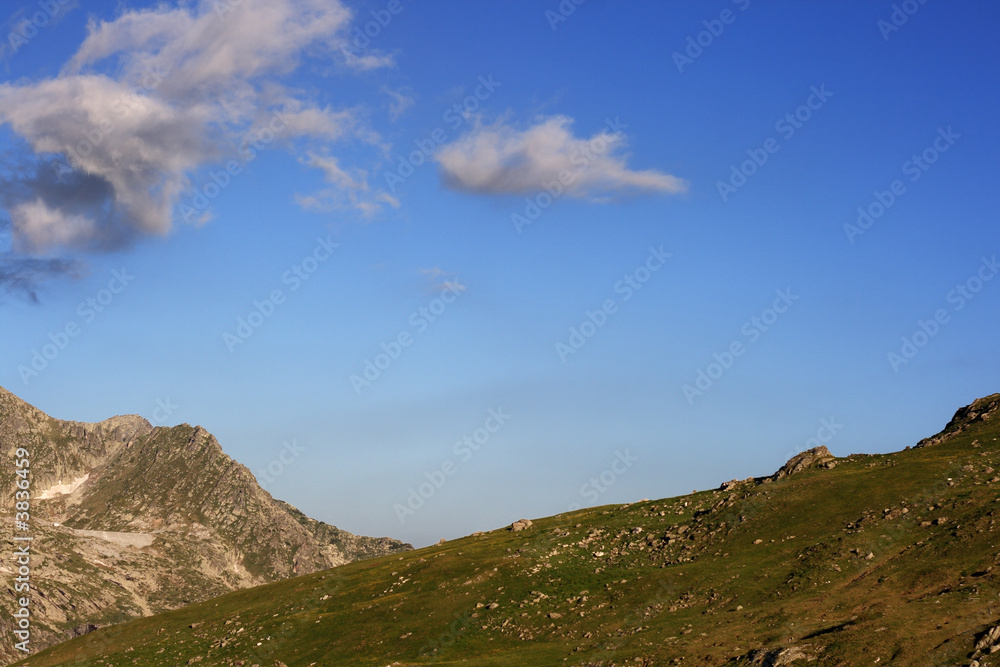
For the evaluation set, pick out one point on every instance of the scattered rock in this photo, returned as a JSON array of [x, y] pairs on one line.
[[520, 524]]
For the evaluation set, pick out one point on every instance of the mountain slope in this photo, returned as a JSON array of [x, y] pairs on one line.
[[876, 558], [130, 520]]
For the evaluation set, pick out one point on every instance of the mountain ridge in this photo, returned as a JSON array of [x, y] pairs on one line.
[[166, 506], [879, 558]]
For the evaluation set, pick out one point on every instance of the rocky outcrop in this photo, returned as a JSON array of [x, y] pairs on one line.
[[807, 459], [777, 656], [976, 413], [987, 643], [131, 520]]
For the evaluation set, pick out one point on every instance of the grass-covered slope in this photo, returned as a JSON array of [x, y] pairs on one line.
[[888, 558]]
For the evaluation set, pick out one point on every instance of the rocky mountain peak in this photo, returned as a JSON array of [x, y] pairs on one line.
[[979, 412], [130, 520]]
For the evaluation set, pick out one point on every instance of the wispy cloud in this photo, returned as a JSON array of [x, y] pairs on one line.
[[401, 100], [23, 276], [501, 159], [450, 283], [349, 189]]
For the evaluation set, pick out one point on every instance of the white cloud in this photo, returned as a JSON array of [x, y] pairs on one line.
[[38, 226], [401, 101], [500, 159], [350, 189], [151, 97]]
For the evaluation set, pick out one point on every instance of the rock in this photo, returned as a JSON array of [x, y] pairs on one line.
[[981, 410], [989, 639], [493, 605], [554, 615], [776, 657], [815, 456], [83, 629], [520, 524]]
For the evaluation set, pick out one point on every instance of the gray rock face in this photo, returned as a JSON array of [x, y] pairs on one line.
[[800, 462], [138, 520], [977, 412]]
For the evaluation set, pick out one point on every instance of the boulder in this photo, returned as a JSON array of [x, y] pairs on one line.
[[815, 456], [520, 524]]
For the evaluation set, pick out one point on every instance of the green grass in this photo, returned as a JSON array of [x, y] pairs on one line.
[[761, 566]]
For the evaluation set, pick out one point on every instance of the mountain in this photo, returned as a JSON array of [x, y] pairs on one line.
[[128, 520], [864, 559]]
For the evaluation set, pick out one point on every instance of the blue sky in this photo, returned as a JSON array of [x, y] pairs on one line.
[[709, 205]]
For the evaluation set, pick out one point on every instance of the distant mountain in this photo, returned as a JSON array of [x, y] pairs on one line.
[[856, 560], [130, 520]]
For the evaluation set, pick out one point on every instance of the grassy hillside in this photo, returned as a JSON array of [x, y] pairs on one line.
[[889, 558]]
